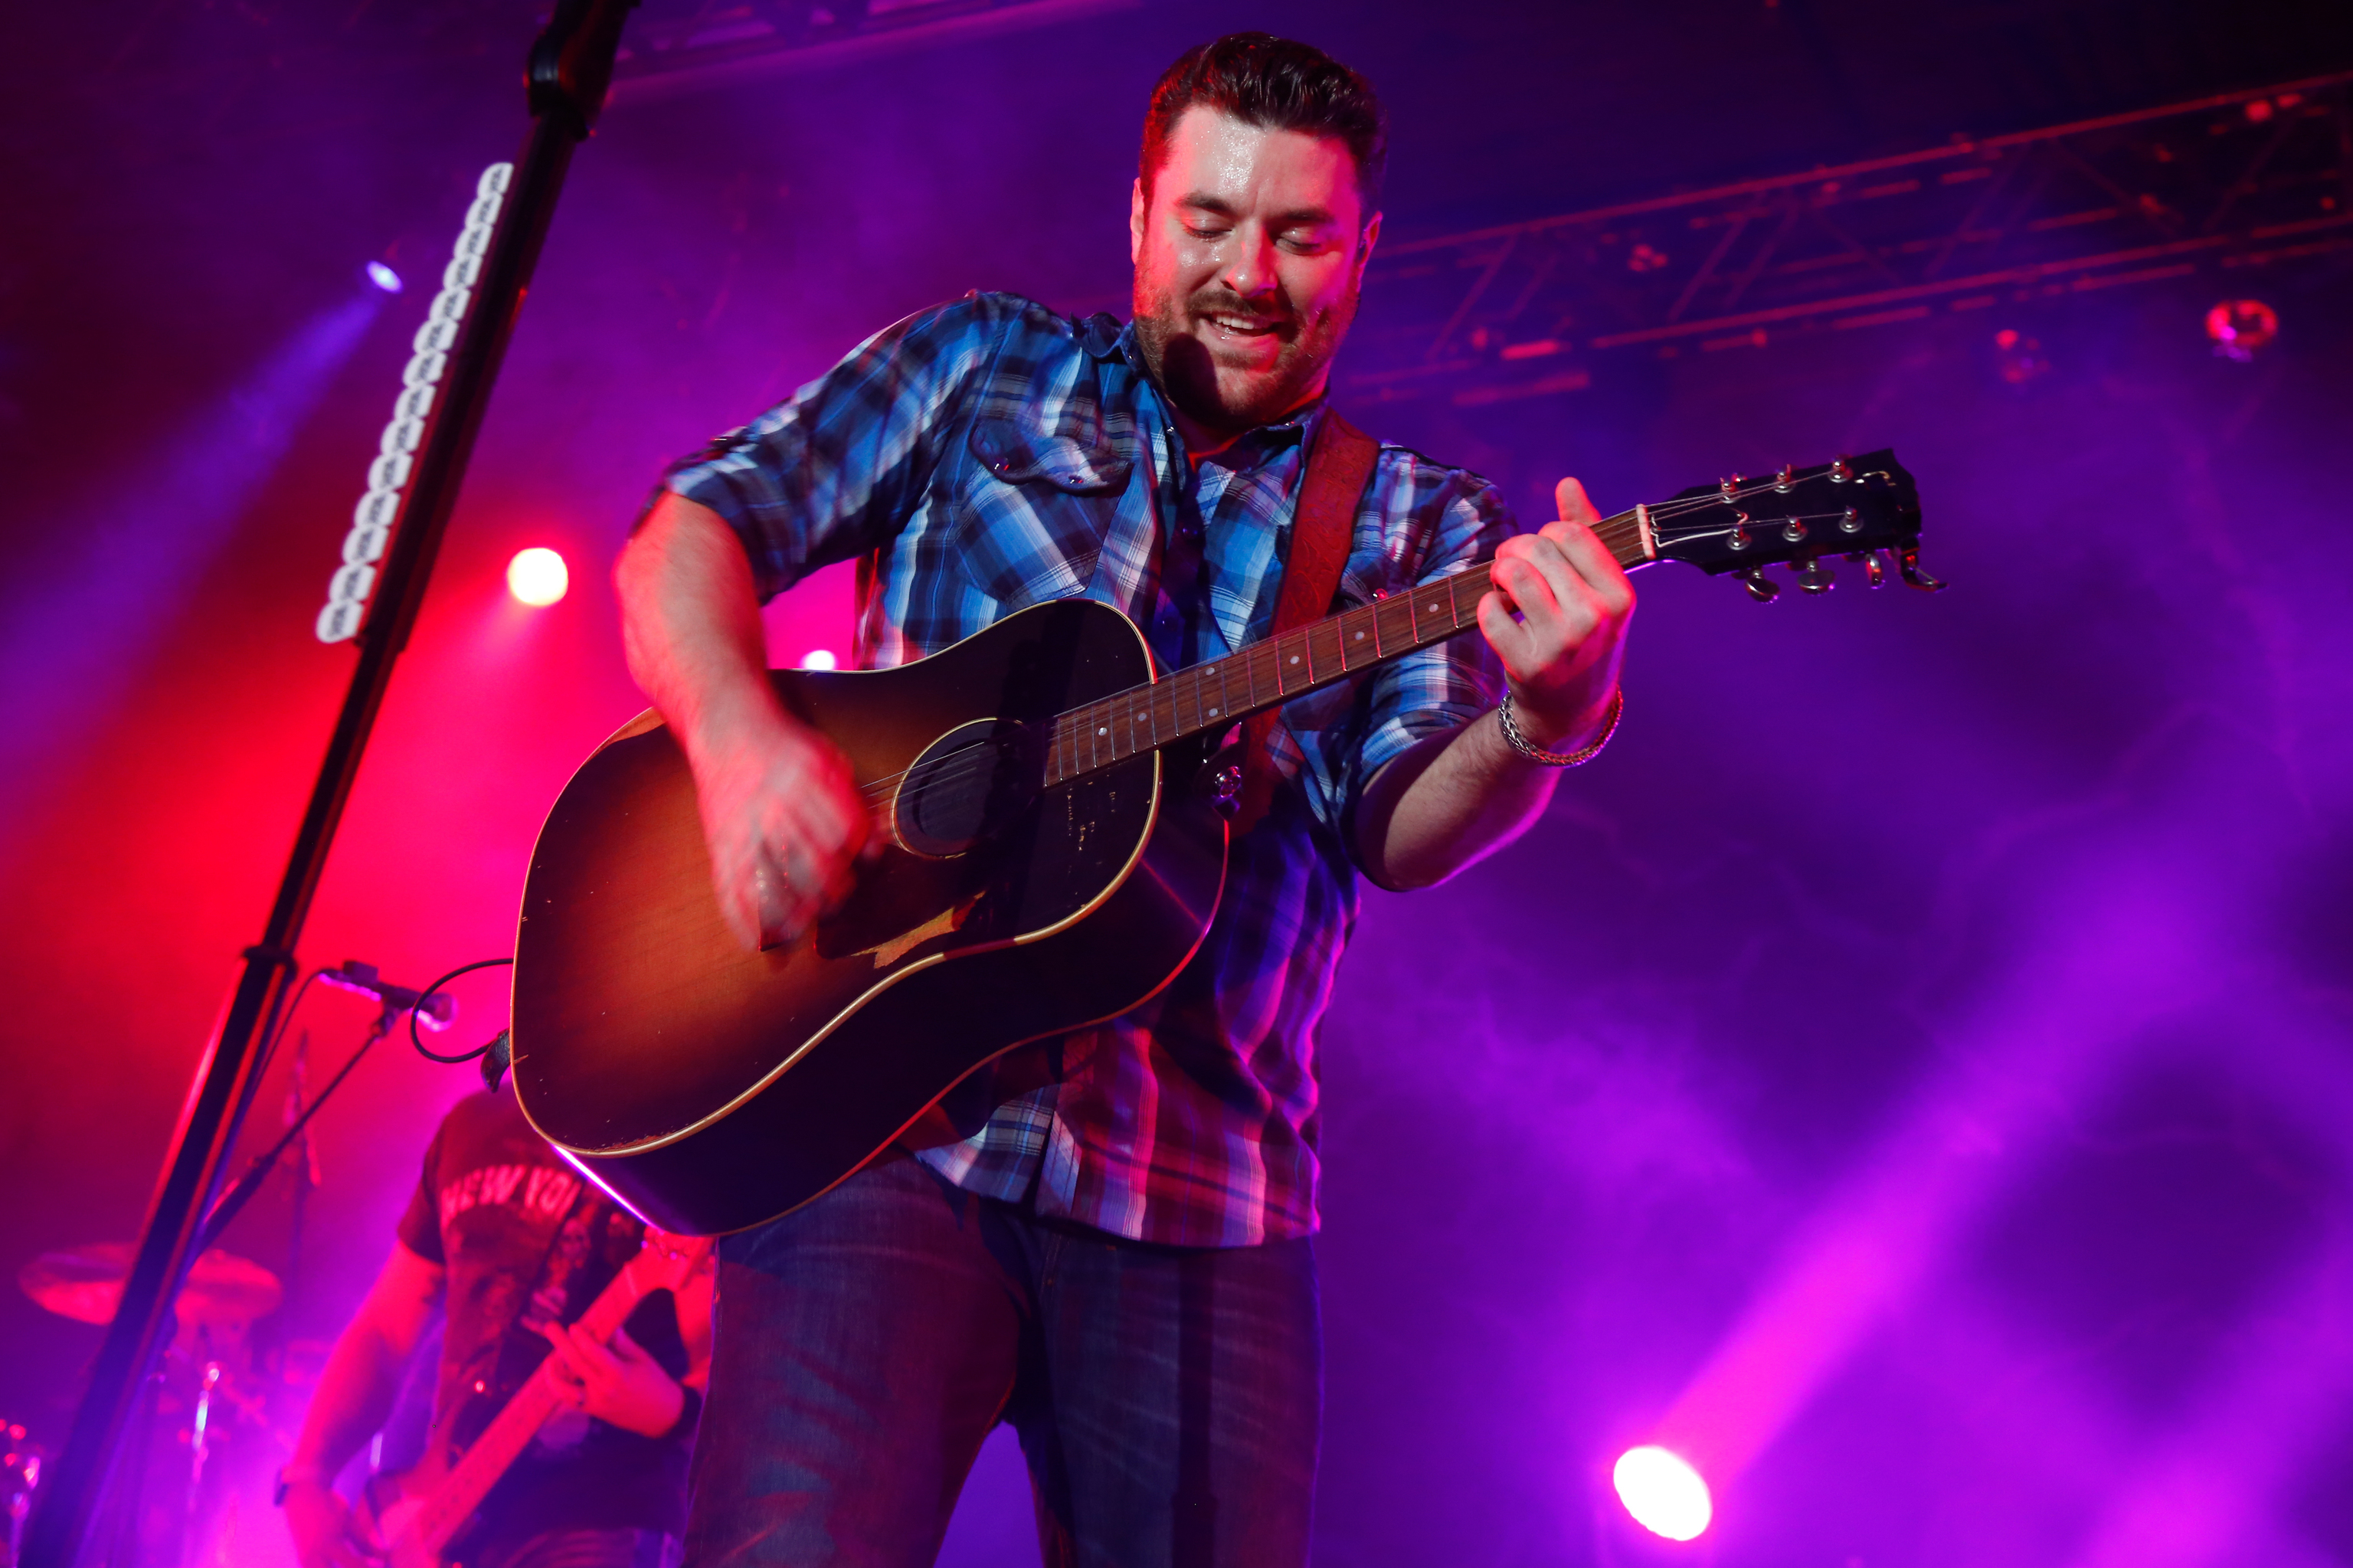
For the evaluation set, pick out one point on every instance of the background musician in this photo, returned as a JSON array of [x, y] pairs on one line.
[[513, 1245]]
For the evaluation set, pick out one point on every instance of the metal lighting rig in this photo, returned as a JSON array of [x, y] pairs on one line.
[[2223, 185]]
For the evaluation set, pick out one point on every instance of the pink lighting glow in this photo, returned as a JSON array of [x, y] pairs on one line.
[[1665, 1495], [537, 577], [2240, 327]]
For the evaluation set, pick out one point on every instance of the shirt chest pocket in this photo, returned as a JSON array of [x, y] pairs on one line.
[[1033, 511]]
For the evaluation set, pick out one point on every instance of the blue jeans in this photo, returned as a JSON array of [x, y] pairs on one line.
[[591, 1549], [1167, 1399]]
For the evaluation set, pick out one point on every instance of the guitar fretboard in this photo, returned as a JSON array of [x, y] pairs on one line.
[[1210, 697], [659, 1266]]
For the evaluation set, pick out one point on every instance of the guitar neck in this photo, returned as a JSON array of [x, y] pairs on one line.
[[470, 1480], [1212, 697]]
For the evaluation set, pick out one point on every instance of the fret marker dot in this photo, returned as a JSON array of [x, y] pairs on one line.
[[1294, 658], [1140, 717], [1213, 712], [1360, 637], [1103, 732], [1433, 609]]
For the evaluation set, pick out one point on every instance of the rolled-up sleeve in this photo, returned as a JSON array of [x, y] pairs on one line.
[[835, 468], [1447, 685]]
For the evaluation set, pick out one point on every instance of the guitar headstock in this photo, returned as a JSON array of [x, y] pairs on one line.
[[1866, 509]]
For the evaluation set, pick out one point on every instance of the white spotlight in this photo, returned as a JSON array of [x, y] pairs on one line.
[[1662, 1492], [537, 577], [817, 659], [384, 277]]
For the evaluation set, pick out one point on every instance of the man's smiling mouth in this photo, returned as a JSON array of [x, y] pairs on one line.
[[1244, 327]]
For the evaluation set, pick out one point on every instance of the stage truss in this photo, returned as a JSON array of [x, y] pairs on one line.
[[717, 43], [2226, 186]]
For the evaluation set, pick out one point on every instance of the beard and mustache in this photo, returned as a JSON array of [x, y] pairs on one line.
[[1186, 368]]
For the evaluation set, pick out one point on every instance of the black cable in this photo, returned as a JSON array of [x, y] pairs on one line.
[[234, 1200], [426, 995], [277, 1035], [226, 1207]]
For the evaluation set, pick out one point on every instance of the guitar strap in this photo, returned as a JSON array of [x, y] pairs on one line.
[[1338, 468]]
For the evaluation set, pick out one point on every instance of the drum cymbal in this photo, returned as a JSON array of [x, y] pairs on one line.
[[86, 1285]]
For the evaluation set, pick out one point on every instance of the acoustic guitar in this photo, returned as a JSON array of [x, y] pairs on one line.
[[417, 1515], [1049, 808]]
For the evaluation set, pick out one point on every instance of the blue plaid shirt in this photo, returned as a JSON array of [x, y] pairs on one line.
[[990, 454]]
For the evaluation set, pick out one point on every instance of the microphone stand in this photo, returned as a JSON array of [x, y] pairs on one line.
[[297, 1118], [233, 1202], [570, 66]]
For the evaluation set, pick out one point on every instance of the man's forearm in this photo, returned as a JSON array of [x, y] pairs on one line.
[[355, 1395], [1557, 622], [782, 816], [690, 625], [1447, 802]]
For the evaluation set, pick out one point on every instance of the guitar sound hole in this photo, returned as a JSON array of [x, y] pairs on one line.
[[966, 786]]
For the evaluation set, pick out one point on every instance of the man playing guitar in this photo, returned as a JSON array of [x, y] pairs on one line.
[[513, 1245], [1106, 1238]]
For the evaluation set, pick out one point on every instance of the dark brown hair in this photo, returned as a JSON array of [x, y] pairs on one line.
[[1278, 85]]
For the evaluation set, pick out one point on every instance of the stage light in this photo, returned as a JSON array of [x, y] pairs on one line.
[[537, 577], [2239, 327], [817, 659], [372, 520], [2018, 358], [1664, 1494]]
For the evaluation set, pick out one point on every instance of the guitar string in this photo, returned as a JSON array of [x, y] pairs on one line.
[[966, 765], [961, 769], [876, 791], [882, 785], [965, 773]]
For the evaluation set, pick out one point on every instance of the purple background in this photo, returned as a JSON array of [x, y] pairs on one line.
[[1912, 1071]]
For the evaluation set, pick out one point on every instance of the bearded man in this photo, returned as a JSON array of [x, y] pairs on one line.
[[1109, 1247]]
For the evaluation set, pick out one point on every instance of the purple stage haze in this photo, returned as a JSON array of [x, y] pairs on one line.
[[1910, 1075]]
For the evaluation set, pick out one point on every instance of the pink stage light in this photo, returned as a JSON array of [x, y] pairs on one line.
[[537, 577], [2239, 327], [1664, 1494], [817, 659]]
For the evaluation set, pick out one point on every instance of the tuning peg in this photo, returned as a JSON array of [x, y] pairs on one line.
[[1785, 481], [1815, 575], [1842, 469], [1873, 572], [1908, 562], [1762, 591]]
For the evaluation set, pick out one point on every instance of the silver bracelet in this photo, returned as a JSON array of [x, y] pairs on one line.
[[1535, 753]]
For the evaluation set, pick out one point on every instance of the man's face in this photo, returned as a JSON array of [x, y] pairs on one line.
[[1249, 253]]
